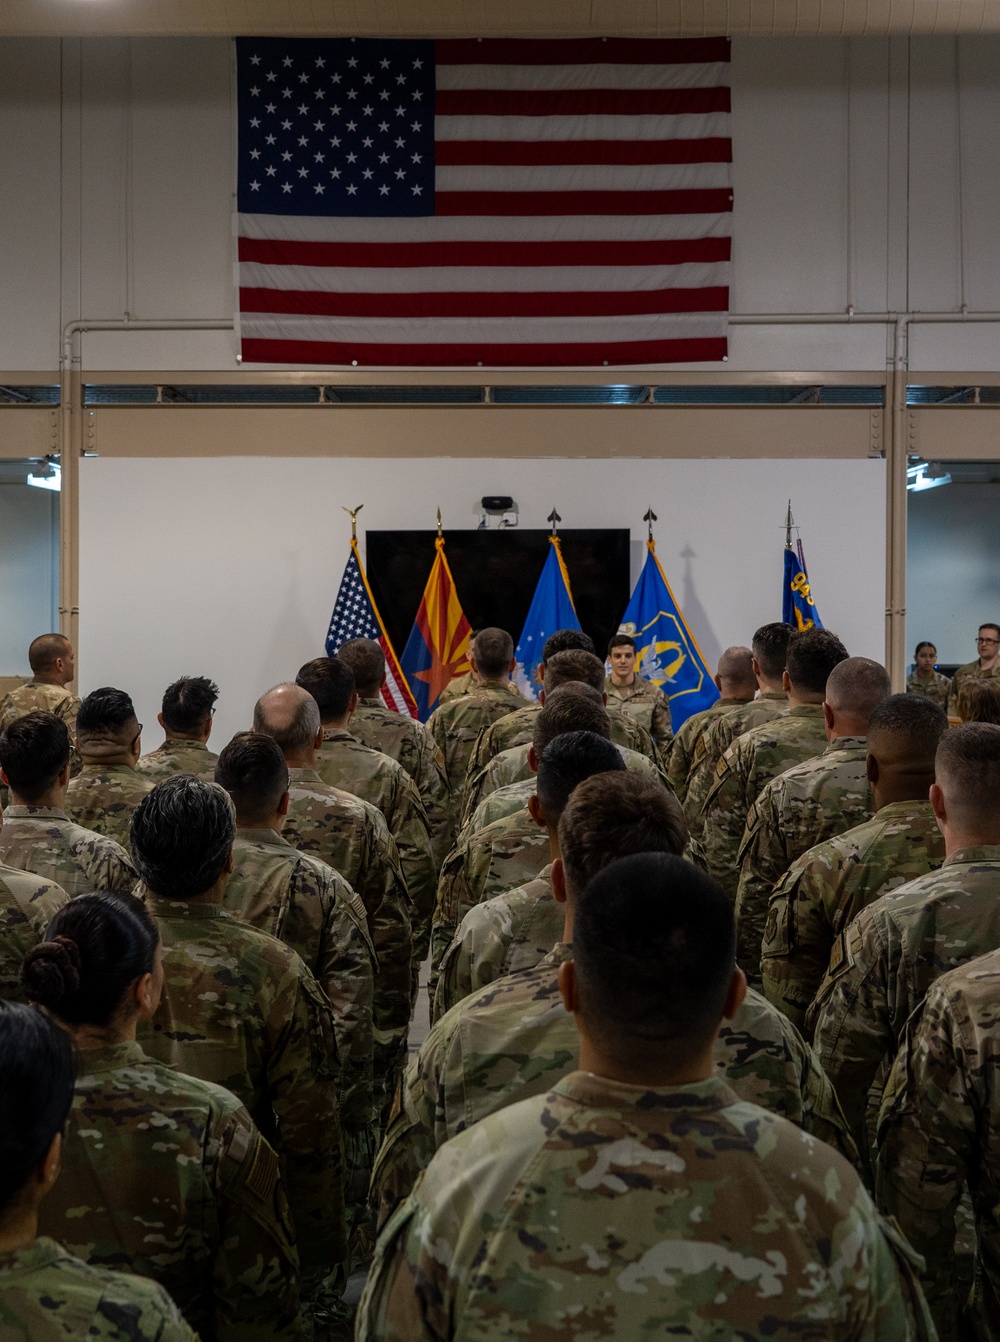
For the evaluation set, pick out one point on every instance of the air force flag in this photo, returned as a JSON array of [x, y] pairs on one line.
[[551, 609], [665, 650]]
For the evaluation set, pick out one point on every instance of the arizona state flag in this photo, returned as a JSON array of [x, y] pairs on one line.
[[438, 646], [665, 650], [798, 607]]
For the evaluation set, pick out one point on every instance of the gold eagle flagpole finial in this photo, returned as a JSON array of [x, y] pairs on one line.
[[353, 515]]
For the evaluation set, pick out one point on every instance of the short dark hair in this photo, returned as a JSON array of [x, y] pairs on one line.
[[990, 625], [568, 710], [107, 712], [908, 726], [188, 702], [45, 651], [563, 640], [967, 767], [566, 761], [330, 681], [95, 947], [253, 771], [979, 699], [770, 647], [34, 750], [574, 664], [654, 953], [811, 656], [493, 652], [36, 1092], [620, 641], [857, 686], [926, 643], [367, 660], [615, 814], [181, 836]]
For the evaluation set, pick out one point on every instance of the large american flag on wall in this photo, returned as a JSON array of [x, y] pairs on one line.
[[493, 202]]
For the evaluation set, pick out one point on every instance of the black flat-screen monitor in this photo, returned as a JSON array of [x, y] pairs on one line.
[[495, 573]]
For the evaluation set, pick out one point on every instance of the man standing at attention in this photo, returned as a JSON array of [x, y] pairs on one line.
[[638, 697], [50, 657], [186, 719], [985, 667]]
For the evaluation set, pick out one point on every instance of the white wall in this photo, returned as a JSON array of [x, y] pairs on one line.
[[229, 568], [953, 567], [867, 173]]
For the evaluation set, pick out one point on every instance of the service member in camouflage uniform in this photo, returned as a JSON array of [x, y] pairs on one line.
[[764, 752], [808, 803], [186, 719], [885, 960], [400, 737], [27, 905], [938, 1132], [985, 667], [347, 763], [307, 905], [456, 725], [640, 698], [350, 836], [108, 788], [47, 1295], [511, 1039], [641, 1197], [925, 679], [770, 645], [241, 1009], [828, 885], [146, 1143], [36, 834], [737, 686], [52, 665], [464, 684]]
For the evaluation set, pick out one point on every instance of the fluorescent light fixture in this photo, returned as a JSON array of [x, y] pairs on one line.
[[49, 477], [926, 475]]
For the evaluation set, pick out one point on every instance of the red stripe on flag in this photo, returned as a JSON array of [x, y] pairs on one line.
[[579, 303], [629, 352], [579, 102], [511, 204], [379, 254], [448, 153], [582, 51]]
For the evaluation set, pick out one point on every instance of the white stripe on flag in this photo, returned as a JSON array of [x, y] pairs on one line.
[[684, 126], [583, 177], [487, 228], [481, 279], [484, 330], [708, 74]]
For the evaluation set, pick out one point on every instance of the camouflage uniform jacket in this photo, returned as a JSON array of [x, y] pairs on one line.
[[938, 1131], [803, 806], [509, 932], [410, 744], [513, 1039], [305, 904], [103, 798], [505, 801], [885, 960], [745, 769], [680, 753], [647, 704], [936, 689], [500, 857], [27, 906], [517, 729], [178, 756], [345, 762], [39, 696], [143, 1137], [457, 686], [240, 1009], [607, 1210], [829, 885], [456, 725], [47, 1295], [970, 671], [43, 840], [715, 740], [351, 836]]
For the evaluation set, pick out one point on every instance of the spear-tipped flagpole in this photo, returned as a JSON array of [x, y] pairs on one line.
[[440, 529], [353, 515], [789, 523], [649, 517], [553, 519]]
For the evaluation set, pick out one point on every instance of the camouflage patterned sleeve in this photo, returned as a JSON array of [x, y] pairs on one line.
[[404, 1299], [417, 1127], [428, 774], [303, 1094], [416, 860], [475, 955], [798, 936], [453, 893], [724, 816], [134, 1308], [662, 727], [851, 1018], [677, 759], [762, 861], [115, 870], [929, 1135], [255, 1277]]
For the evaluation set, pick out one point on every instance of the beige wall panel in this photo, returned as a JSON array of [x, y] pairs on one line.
[[483, 431], [28, 431], [955, 433]]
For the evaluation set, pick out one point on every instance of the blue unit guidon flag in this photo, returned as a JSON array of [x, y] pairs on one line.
[[355, 615], [798, 606], [498, 202]]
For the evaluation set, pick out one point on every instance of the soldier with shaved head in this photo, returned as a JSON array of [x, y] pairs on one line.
[[737, 685], [50, 657]]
